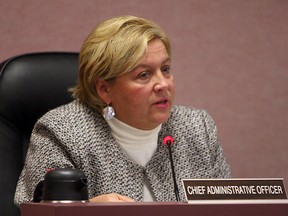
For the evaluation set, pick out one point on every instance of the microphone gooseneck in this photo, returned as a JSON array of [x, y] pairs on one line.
[[168, 140]]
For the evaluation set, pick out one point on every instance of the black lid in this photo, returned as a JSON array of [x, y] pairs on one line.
[[65, 184]]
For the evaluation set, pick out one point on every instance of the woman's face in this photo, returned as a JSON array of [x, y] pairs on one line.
[[143, 97]]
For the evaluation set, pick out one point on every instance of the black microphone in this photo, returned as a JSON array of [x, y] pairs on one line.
[[168, 140]]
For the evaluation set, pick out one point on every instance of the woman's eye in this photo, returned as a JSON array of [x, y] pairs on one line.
[[144, 75], [166, 69]]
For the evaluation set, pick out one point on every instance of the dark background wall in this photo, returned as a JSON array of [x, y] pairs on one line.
[[230, 57]]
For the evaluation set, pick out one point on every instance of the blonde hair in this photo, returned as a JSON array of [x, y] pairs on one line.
[[113, 47]]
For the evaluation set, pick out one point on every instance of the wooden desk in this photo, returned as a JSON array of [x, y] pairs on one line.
[[154, 208]]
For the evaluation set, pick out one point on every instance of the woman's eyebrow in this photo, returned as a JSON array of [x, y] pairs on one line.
[[165, 61]]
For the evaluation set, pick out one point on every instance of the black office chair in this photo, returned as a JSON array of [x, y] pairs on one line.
[[30, 85]]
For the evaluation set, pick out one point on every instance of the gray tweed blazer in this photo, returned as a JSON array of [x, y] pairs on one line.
[[77, 136]]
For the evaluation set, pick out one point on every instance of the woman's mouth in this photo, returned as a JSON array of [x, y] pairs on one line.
[[162, 103]]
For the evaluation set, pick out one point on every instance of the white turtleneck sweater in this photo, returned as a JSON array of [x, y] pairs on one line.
[[138, 145]]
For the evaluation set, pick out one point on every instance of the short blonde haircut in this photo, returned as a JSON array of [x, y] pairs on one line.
[[113, 47]]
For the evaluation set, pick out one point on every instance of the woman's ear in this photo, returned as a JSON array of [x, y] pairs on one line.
[[102, 88]]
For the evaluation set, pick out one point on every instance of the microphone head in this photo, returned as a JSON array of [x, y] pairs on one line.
[[167, 138]]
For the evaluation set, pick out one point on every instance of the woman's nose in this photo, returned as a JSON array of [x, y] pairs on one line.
[[161, 82]]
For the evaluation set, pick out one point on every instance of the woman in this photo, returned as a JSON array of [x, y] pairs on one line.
[[113, 129]]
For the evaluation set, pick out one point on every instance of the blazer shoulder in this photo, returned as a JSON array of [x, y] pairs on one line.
[[179, 110]]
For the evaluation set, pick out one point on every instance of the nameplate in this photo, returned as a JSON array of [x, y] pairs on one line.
[[234, 189]]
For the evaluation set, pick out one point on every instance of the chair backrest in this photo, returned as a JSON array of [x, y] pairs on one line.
[[30, 85]]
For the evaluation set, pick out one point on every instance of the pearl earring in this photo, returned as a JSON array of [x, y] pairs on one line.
[[108, 112]]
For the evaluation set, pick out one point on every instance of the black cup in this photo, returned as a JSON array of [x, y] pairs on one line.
[[64, 185]]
